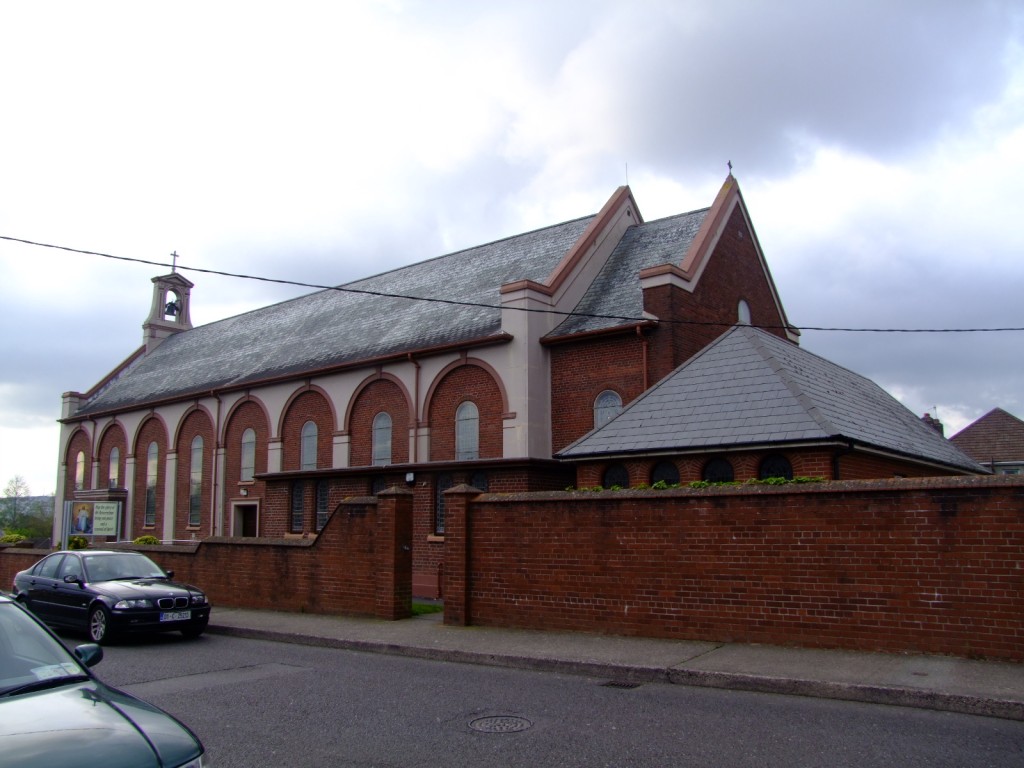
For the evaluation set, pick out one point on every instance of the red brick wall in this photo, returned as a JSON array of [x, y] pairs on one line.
[[428, 549], [112, 438], [473, 383], [308, 406], [746, 465], [360, 564], [381, 395], [934, 566], [247, 415], [79, 443], [583, 370], [152, 431], [733, 272], [196, 424]]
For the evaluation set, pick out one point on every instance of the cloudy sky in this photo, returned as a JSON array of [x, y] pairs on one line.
[[879, 146]]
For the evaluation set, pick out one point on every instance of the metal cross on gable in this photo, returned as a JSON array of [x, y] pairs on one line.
[[174, 261]]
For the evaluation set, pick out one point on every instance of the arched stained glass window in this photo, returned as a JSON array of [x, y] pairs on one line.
[[80, 471], [607, 406], [381, 439], [152, 465], [248, 454], [307, 458], [467, 432], [195, 483], [114, 470]]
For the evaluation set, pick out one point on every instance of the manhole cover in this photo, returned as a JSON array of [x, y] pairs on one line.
[[500, 724]]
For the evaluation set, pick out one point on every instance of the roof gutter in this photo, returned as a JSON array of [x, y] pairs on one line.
[[618, 330]]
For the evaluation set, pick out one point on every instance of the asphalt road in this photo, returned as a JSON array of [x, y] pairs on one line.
[[257, 703]]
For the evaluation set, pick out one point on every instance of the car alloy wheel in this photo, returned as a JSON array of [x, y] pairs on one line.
[[99, 624]]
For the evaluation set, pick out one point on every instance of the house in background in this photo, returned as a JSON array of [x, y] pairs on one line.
[[996, 440], [753, 406], [475, 367]]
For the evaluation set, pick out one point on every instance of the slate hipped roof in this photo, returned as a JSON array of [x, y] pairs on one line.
[[366, 321], [750, 388]]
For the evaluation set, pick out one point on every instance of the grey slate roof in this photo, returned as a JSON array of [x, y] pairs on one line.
[[335, 327], [750, 388], [616, 290]]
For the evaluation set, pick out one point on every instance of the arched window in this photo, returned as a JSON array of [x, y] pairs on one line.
[[307, 453], [114, 470], [467, 432], [80, 471], [382, 439], [775, 465], [718, 471], [152, 460], [615, 476], [607, 406], [743, 313], [248, 454], [195, 483], [665, 472]]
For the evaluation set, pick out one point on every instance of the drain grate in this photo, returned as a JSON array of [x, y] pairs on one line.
[[623, 684], [500, 724]]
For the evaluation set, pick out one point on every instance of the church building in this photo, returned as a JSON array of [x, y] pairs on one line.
[[482, 367]]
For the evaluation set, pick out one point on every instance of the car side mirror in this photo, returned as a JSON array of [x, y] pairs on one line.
[[89, 654], [170, 573], [72, 578]]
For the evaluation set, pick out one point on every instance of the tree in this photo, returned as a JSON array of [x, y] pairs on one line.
[[15, 490]]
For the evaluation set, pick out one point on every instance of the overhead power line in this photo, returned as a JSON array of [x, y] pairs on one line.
[[436, 300]]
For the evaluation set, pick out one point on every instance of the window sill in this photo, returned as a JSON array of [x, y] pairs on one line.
[[435, 538]]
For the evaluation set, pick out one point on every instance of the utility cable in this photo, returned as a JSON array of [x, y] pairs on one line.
[[382, 294]]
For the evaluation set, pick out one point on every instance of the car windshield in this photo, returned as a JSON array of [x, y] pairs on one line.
[[30, 658], [120, 565]]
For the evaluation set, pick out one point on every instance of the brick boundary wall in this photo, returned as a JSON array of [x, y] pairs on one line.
[[360, 564], [930, 565]]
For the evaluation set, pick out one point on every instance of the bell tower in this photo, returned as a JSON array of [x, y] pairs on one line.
[[169, 313]]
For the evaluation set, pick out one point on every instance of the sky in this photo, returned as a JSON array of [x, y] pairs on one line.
[[879, 147]]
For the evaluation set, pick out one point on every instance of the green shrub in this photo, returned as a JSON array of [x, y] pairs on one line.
[[12, 538], [77, 542], [147, 539]]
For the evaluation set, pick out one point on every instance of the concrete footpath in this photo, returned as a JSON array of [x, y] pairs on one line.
[[992, 689]]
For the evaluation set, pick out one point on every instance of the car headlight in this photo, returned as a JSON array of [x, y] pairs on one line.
[[198, 599], [120, 605], [198, 762]]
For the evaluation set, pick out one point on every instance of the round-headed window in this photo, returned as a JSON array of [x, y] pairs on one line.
[[718, 471], [665, 472], [615, 476], [775, 465]]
